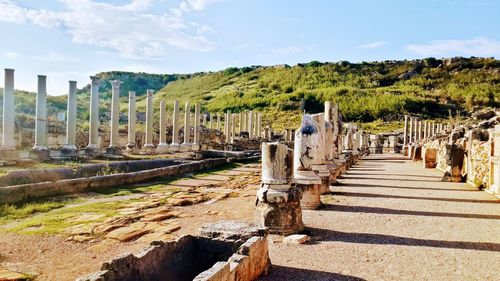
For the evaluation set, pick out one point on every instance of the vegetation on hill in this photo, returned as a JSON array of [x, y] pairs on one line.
[[372, 93]]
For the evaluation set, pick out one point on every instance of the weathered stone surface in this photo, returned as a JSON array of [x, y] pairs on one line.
[[6, 275], [296, 239], [127, 233]]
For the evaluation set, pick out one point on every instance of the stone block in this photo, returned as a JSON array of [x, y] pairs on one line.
[[296, 239]]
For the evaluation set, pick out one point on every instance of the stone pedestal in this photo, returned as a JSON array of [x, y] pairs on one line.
[[430, 158], [455, 158], [278, 203], [308, 146]]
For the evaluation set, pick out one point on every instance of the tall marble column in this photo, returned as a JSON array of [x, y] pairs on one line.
[[163, 145], [244, 122], [227, 128], [131, 121], [92, 148], [405, 133], [70, 148], [8, 121], [115, 118], [41, 115], [149, 147], [233, 127], [259, 125], [410, 135], [174, 146], [186, 145], [196, 137], [218, 121], [419, 130], [250, 125], [211, 121], [425, 130]]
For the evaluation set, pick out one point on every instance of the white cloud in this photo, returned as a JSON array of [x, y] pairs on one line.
[[130, 29], [479, 46], [11, 55], [373, 45], [291, 50], [57, 57]]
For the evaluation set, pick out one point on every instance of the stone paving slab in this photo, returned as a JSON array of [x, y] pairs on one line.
[[232, 173], [192, 182], [218, 177]]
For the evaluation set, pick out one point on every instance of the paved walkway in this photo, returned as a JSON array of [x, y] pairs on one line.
[[391, 219]]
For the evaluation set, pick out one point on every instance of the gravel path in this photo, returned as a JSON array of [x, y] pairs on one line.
[[391, 219]]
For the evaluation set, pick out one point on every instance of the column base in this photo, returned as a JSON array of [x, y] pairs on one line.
[[186, 147], [9, 154], [163, 148], [149, 149], [311, 199], [113, 150], [174, 147], [280, 214], [70, 151], [92, 151], [195, 146], [40, 153]]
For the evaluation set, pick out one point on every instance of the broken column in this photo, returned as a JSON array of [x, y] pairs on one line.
[[320, 166], [174, 146], [494, 180], [278, 203], [196, 130], [186, 145], [149, 147], [40, 151], [131, 121], [306, 146], [329, 145], [115, 118], [163, 146], [92, 148], [69, 149]]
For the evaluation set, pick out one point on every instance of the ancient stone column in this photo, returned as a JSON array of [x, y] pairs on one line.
[[250, 125], [40, 150], [92, 148], [149, 146], [211, 121], [405, 136], [306, 146], [8, 121], [426, 129], [433, 128], [278, 203], [329, 144], [244, 122], [163, 146], [70, 149], [196, 137], [259, 125], [115, 118], [419, 130], [228, 126], [233, 127], [131, 121], [410, 135], [218, 121], [174, 146], [320, 166], [186, 145], [240, 116]]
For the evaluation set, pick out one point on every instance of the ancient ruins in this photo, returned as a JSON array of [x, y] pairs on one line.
[[299, 170]]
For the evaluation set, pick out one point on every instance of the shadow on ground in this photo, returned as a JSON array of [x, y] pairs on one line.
[[382, 239], [298, 274], [387, 211]]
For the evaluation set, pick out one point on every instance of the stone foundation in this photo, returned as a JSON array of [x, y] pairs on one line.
[[311, 199], [240, 254]]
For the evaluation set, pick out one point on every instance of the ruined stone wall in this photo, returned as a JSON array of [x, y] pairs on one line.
[[479, 156]]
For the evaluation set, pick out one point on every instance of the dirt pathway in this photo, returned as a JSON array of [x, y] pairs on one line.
[[393, 220]]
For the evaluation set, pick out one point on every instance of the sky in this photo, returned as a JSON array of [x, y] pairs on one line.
[[73, 39]]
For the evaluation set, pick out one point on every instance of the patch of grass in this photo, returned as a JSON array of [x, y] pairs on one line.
[[222, 168], [20, 211], [57, 221]]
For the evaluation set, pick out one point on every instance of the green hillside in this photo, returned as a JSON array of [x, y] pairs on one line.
[[365, 91], [373, 93]]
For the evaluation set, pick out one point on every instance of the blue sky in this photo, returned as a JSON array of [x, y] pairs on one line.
[[72, 39]]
